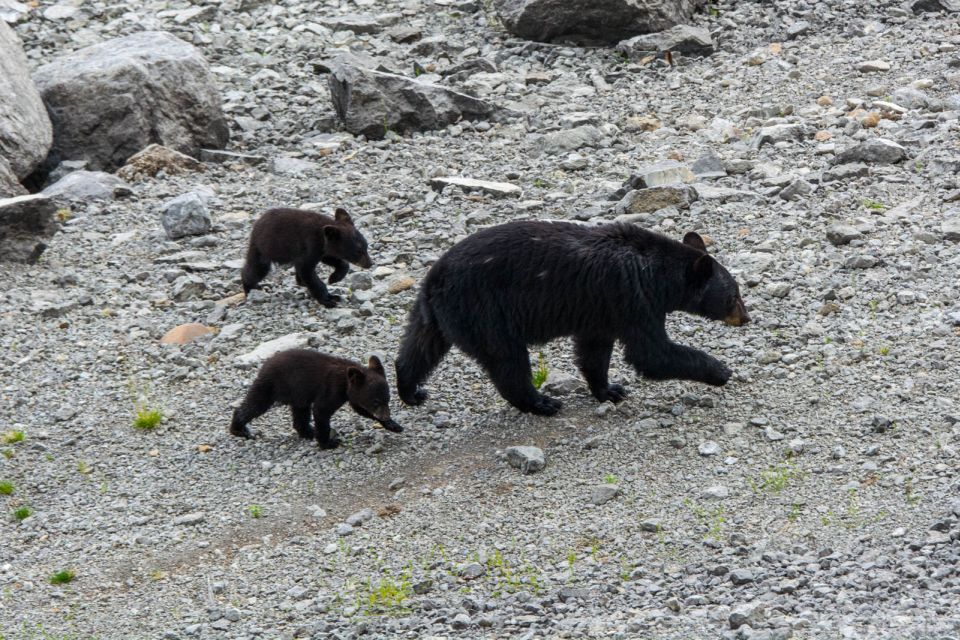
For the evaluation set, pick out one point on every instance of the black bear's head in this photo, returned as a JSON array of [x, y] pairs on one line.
[[342, 240], [369, 393], [711, 291]]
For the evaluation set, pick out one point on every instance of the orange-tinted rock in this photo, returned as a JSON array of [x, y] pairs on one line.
[[185, 333]]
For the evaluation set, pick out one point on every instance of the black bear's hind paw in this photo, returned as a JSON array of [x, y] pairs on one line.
[[241, 432], [306, 434], [616, 393], [330, 301], [332, 443], [545, 406]]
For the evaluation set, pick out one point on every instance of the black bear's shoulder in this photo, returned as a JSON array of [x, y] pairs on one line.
[[294, 218]]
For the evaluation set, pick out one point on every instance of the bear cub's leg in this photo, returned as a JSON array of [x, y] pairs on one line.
[[307, 276], [255, 268], [593, 359], [257, 402], [321, 421], [301, 421], [512, 378], [340, 268]]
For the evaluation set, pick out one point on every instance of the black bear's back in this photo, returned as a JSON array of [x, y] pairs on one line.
[[533, 281], [285, 235], [297, 376]]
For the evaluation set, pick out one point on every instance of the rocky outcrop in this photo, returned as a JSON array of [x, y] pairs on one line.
[[9, 185], [605, 20], [25, 131], [25, 222], [110, 100], [371, 102]]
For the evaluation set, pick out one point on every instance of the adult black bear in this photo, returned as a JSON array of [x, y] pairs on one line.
[[308, 380], [303, 239], [524, 283]]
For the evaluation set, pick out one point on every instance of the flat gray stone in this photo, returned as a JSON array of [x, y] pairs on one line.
[[683, 38], [873, 151], [527, 459], [495, 189], [604, 493]]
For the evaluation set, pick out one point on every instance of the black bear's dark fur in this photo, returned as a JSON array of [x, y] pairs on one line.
[[524, 283], [307, 380], [303, 239]]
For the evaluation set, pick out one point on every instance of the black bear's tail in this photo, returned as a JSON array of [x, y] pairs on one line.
[[422, 349], [255, 268]]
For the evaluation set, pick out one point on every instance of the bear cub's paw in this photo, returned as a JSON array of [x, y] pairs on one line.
[[545, 406], [332, 443], [330, 301], [418, 397], [241, 432], [338, 275]]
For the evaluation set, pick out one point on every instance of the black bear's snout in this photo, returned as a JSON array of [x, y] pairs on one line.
[[739, 316]]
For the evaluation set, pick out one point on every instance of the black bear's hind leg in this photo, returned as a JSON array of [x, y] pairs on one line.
[[255, 404], [422, 349], [308, 278], [511, 376], [340, 268], [593, 359], [321, 422], [301, 421], [255, 268]]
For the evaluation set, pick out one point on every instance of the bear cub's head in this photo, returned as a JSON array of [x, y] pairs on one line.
[[369, 393], [342, 240], [711, 292]]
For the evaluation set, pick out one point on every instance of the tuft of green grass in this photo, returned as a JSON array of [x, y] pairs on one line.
[[610, 479], [22, 513], [775, 479], [147, 419], [540, 375], [12, 437], [6, 488], [7, 453], [388, 595], [255, 511], [874, 205], [63, 577], [884, 350]]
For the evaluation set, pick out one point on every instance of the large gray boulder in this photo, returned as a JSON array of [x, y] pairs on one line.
[[110, 100], [605, 20], [9, 185], [25, 222], [371, 102], [25, 132]]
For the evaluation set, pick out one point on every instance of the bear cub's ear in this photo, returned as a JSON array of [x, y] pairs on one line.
[[356, 377], [374, 365], [693, 239], [342, 216]]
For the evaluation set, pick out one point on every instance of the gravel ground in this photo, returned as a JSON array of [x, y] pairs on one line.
[[815, 496]]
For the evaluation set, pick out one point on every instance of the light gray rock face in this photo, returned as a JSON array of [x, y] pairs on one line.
[[86, 186], [681, 38], [371, 102], [527, 459], [186, 215], [9, 185], [25, 131], [110, 100], [874, 151], [25, 222], [606, 20]]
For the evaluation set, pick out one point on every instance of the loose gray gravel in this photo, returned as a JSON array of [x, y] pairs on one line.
[[815, 496]]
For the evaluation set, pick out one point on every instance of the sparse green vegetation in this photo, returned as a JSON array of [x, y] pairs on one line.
[[884, 350], [775, 479], [255, 511], [873, 205], [83, 468], [610, 479], [388, 595], [6, 488], [22, 513], [146, 419], [12, 437], [63, 577], [712, 519], [540, 375]]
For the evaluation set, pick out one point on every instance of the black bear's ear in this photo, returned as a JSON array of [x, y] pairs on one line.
[[373, 364], [702, 269], [355, 377], [341, 215], [330, 232], [693, 239]]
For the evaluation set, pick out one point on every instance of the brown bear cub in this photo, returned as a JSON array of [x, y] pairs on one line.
[[308, 381], [304, 238]]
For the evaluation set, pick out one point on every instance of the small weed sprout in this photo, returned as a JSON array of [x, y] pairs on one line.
[[874, 205], [713, 519], [62, 577], [146, 419], [7, 453], [775, 479], [540, 375], [255, 511], [610, 479], [63, 215], [22, 513], [884, 350], [571, 560], [6, 488], [388, 595], [12, 437], [83, 468]]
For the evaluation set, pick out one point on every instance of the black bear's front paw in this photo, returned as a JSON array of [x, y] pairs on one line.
[[616, 393], [418, 397], [330, 301], [241, 432], [391, 425], [306, 434], [338, 275], [545, 406], [718, 374]]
